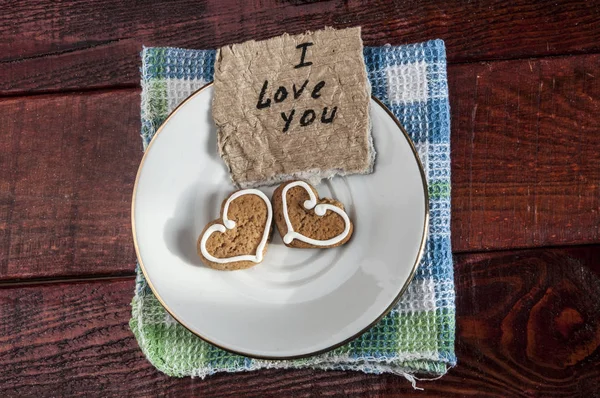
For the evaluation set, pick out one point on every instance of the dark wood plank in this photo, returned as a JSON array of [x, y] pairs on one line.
[[525, 153], [55, 46], [68, 168], [528, 325], [530, 320], [525, 156], [115, 63]]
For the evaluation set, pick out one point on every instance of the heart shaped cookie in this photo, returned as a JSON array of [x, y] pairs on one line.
[[240, 238], [306, 221]]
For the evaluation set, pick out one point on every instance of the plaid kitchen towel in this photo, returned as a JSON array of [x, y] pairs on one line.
[[417, 336]]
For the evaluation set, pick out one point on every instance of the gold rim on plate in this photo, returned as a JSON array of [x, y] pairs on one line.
[[247, 354]]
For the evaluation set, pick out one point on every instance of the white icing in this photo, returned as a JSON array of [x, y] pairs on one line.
[[230, 224], [320, 210]]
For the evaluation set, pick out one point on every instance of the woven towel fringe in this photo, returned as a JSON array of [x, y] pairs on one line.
[[412, 379]]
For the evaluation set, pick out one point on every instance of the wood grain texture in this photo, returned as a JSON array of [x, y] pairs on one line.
[[525, 156], [68, 167], [525, 163], [525, 153], [530, 319], [55, 46], [73, 339]]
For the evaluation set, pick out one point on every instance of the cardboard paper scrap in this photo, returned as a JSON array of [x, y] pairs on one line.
[[293, 107]]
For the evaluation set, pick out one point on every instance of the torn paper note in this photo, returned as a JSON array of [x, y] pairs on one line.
[[293, 107]]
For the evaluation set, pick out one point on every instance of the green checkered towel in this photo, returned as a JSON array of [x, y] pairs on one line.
[[417, 336]]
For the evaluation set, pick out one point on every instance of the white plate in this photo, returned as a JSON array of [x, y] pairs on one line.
[[297, 302]]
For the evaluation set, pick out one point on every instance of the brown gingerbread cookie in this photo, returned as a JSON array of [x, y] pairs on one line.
[[239, 239], [306, 221]]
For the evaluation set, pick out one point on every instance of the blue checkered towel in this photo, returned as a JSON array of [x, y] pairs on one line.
[[417, 336]]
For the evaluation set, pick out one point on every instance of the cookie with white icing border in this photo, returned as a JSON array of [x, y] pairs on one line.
[[240, 237], [306, 221]]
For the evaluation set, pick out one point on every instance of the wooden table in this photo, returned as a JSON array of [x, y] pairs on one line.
[[525, 97]]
